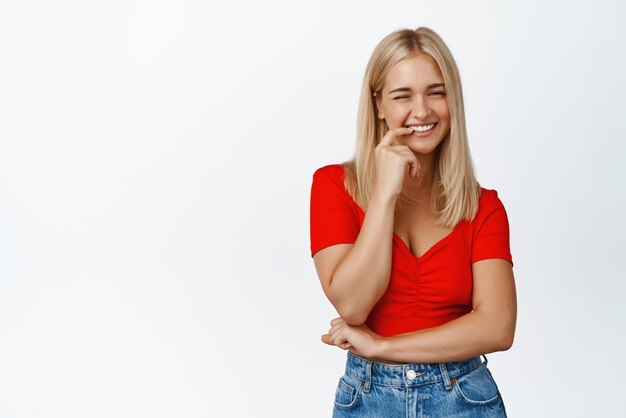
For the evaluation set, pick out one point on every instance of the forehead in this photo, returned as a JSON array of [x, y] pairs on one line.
[[416, 72]]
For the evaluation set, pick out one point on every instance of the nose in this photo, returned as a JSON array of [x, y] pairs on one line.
[[420, 108]]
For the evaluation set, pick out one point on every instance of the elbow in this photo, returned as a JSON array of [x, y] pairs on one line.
[[355, 319], [505, 343], [505, 340], [353, 312], [353, 316], [503, 332], [500, 335]]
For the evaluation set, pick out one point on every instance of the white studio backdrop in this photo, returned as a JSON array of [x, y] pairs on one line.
[[155, 169]]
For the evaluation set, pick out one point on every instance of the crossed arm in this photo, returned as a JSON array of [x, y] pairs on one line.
[[489, 327]]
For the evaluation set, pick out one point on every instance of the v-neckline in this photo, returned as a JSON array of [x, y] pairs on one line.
[[404, 244], [428, 251]]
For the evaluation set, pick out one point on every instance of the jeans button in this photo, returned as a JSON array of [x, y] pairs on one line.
[[411, 375]]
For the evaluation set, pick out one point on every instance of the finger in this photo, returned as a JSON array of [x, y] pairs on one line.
[[414, 165], [401, 148], [338, 340], [414, 168], [409, 159], [392, 134], [398, 133], [336, 320]]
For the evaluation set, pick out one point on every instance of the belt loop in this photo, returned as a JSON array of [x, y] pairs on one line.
[[485, 357], [368, 377], [446, 378]]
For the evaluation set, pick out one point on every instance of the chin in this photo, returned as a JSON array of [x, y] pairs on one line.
[[421, 149]]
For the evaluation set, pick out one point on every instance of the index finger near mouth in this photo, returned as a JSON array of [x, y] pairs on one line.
[[390, 137], [404, 131]]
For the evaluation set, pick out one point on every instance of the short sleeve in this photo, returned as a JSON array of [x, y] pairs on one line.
[[491, 229], [334, 218]]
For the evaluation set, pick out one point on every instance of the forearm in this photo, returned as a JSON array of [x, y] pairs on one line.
[[467, 336], [362, 277]]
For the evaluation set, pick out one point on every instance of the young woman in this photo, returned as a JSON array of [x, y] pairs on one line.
[[411, 251]]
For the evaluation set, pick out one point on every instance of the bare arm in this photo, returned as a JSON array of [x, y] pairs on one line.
[[489, 327], [355, 276]]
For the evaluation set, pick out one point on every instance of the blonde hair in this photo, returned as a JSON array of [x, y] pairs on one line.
[[455, 191]]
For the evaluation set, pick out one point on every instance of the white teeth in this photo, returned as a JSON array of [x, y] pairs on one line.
[[422, 128]]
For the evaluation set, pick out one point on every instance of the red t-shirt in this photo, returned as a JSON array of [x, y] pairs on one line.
[[424, 291]]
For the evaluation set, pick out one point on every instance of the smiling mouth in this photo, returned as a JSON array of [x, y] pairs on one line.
[[422, 128]]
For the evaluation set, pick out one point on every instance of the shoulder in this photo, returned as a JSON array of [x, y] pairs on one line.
[[329, 185], [490, 228], [330, 175], [488, 199], [488, 203], [334, 171]]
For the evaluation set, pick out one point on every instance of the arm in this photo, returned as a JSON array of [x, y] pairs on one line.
[[355, 276], [489, 327]]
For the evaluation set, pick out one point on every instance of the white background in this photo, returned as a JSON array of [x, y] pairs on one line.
[[155, 169]]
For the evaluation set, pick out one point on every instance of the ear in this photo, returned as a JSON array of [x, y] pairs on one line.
[[380, 113]]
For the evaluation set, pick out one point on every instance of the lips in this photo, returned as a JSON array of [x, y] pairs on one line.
[[424, 127]]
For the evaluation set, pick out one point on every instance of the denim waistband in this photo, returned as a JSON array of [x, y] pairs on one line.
[[409, 374]]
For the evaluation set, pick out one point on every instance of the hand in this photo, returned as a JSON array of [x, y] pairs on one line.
[[360, 338], [392, 162]]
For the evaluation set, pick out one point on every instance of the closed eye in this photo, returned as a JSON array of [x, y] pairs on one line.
[[441, 93]]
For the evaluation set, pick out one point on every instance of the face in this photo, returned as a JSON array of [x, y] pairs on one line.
[[414, 95]]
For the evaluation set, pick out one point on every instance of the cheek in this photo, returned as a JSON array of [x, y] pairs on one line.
[[398, 113], [444, 113]]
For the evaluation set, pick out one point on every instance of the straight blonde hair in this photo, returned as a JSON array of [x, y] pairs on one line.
[[455, 191]]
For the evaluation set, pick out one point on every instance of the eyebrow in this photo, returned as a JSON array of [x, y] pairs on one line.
[[432, 86]]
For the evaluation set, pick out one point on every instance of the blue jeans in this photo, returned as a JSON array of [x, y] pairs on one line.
[[457, 389]]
